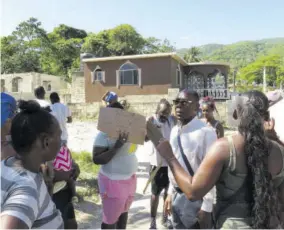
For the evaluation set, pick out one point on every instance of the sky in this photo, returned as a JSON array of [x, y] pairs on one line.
[[185, 23]]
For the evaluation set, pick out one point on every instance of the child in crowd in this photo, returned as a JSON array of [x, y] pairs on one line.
[[63, 161]]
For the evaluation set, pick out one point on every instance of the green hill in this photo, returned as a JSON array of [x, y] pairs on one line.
[[241, 53]]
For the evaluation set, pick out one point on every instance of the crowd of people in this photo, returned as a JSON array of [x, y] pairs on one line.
[[208, 180]]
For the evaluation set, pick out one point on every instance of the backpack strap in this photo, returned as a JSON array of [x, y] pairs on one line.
[[216, 124], [233, 154], [187, 164]]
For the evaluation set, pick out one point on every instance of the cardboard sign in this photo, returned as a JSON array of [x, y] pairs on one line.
[[112, 121]]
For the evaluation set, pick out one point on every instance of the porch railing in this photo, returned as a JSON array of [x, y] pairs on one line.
[[219, 94]]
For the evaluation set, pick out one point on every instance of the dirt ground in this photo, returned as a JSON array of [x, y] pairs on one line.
[[88, 212]]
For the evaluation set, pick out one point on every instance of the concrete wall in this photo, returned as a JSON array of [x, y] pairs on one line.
[[77, 90], [29, 82], [142, 104]]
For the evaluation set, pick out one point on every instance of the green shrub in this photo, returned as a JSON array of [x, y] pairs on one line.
[[87, 184], [87, 167]]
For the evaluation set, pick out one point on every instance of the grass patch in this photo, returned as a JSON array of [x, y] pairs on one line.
[[87, 184]]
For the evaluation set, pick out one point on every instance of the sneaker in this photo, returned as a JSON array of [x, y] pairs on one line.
[[164, 220], [169, 224]]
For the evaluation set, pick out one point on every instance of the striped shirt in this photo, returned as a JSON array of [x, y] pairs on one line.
[[24, 195]]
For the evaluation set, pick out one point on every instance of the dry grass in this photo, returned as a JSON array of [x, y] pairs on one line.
[[87, 184]]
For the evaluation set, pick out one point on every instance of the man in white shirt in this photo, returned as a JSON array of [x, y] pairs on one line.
[[165, 122], [40, 95], [276, 111], [62, 114], [195, 139]]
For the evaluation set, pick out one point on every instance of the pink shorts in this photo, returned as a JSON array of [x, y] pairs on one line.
[[117, 196]]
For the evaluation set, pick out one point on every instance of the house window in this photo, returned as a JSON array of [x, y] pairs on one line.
[[98, 75], [46, 85], [17, 84], [178, 77], [129, 74]]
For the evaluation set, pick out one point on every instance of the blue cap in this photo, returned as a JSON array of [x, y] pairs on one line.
[[8, 107], [111, 96]]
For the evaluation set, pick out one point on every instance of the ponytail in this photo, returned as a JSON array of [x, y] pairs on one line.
[[260, 182]]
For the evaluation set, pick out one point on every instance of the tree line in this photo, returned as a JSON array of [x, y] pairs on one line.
[[30, 48]]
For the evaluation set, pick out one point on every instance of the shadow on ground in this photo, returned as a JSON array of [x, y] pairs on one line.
[[88, 215], [92, 182]]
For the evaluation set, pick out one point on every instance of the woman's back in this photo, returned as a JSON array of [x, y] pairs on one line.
[[234, 188]]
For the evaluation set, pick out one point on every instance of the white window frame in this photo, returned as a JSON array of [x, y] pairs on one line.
[[118, 76], [95, 76], [129, 70]]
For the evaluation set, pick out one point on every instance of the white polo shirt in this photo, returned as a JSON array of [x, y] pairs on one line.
[[166, 128], [276, 111], [196, 139], [61, 112], [42, 102]]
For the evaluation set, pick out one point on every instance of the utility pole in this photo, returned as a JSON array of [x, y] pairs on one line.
[[264, 79], [234, 79]]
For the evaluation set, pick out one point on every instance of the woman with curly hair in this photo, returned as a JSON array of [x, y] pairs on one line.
[[208, 107], [246, 168]]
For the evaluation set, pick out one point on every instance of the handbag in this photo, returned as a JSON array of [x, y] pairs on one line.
[[184, 210]]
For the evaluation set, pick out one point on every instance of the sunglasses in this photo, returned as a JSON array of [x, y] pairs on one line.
[[182, 102]]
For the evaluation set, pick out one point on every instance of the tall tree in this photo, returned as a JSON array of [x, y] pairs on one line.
[[274, 64], [192, 55], [63, 51], [154, 45], [125, 40], [97, 44], [21, 50]]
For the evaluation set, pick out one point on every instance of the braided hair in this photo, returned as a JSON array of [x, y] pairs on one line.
[[252, 113]]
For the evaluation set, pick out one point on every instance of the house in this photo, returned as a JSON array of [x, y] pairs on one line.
[[22, 85], [148, 74]]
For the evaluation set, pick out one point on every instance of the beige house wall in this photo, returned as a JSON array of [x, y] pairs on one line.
[[29, 81]]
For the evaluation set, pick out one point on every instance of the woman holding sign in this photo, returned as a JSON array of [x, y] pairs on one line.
[[117, 177]]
